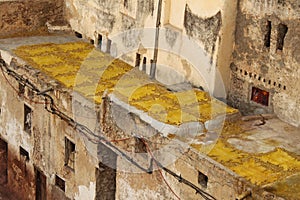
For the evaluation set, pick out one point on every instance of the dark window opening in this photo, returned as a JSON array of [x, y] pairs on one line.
[[79, 35], [30, 94], [125, 3], [69, 153], [268, 34], [282, 30], [92, 41], [137, 59], [202, 179], [99, 41], [144, 64], [27, 118], [260, 96], [60, 183], [21, 89], [108, 46], [140, 146], [24, 154]]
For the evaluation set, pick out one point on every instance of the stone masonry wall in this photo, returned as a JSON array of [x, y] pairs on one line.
[[21, 17], [266, 56]]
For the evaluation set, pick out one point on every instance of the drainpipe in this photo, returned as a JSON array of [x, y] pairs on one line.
[[154, 60]]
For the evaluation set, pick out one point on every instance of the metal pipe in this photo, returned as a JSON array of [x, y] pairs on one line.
[[154, 60]]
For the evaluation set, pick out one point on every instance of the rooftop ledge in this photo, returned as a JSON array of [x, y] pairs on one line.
[[82, 68], [266, 154]]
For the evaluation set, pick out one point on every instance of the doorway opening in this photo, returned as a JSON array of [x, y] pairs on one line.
[[3, 162], [40, 185]]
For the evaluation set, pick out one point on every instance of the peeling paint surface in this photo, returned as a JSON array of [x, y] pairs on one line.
[[86, 192]]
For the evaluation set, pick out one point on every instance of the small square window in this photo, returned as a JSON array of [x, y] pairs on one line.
[[27, 119], [260, 96], [69, 153], [140, 146], [78, 35], [60, 183], [24, 154], [202, 179]]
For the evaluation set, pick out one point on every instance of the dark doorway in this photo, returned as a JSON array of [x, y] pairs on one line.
[[108, 46], [40, 185], [3, 162], [99, 41], [106, 174], [137, 60], [144, 64]]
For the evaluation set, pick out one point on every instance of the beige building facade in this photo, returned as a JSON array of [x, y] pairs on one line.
[[123, 99]]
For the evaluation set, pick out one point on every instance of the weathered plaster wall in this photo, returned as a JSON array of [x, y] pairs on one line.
[[46, 142], [21, 17], [187, 162], [209, 25], [20, 172], [90, 177], [264, 65]]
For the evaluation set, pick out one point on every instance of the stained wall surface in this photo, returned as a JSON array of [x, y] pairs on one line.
[[196, 39], [19, 18], [266, 56]]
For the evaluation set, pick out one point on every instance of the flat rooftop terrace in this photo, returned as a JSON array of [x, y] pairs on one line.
[[261, 149]]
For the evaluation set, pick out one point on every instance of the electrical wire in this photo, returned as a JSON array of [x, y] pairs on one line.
[[30, 100], [199, 191], [159, 170], [92, 137], [52, 108]]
